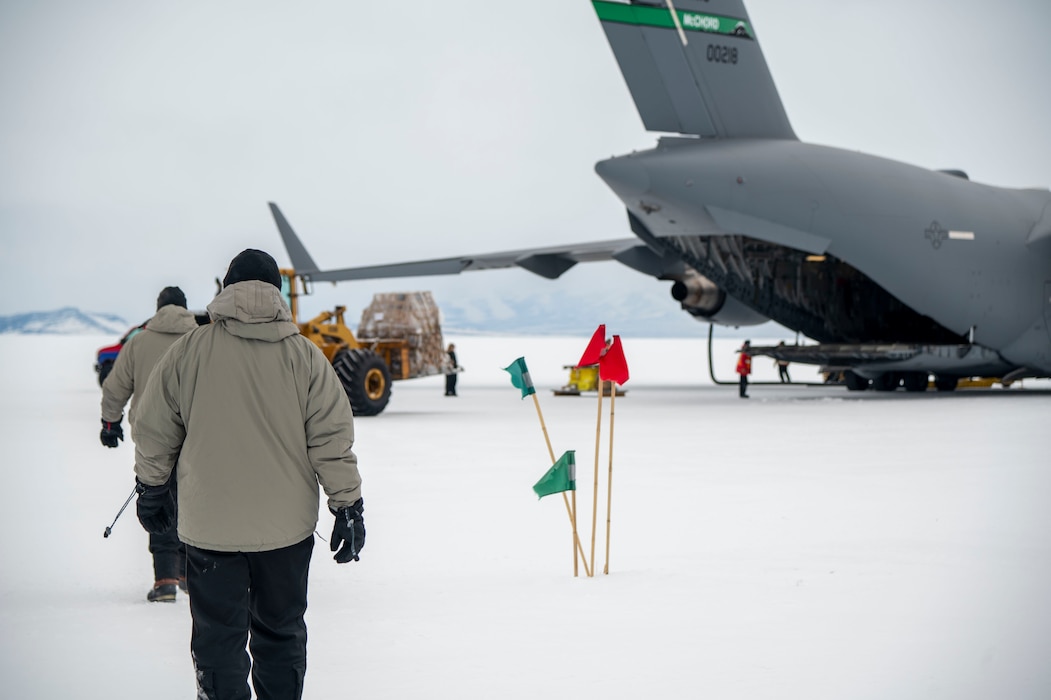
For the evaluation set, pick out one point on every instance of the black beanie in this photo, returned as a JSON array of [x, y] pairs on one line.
[[252, 264], [169, 296]]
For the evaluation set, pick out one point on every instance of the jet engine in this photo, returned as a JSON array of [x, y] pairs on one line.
[[703, 299]]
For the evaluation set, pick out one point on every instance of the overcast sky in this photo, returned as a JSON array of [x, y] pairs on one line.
[[140, 142]]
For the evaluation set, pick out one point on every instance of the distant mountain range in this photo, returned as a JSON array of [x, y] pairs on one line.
[[66, 321], [559, 313], [543, 317], [556, 314]]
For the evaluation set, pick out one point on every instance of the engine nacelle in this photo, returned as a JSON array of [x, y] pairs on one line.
[[697, 292], [703, 299]]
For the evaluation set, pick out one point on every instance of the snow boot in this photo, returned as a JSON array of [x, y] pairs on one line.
[[163, 591]]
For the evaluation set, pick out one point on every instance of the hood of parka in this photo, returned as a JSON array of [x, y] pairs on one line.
[[254, 310], [172, 319]]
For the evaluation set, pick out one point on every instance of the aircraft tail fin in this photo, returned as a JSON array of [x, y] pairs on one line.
[[694, 67], [297, 252]]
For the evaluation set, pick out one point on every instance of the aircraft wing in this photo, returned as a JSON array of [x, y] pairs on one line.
[[549, 262]]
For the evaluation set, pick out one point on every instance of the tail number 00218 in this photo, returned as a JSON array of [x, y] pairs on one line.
[[721, 54]]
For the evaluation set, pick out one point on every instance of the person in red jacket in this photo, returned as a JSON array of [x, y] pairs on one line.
[[744, 367]]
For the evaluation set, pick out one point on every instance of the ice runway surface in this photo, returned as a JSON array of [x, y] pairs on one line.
[[808, 542]]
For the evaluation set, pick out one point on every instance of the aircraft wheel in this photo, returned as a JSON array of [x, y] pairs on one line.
[[855, 382], [888, 381], [365, 378], [946, 383], [914, 381]]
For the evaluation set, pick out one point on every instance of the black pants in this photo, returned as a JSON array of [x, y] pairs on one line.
[[782, 372], [743, 386], [169, 553], [450, 385], [253, 599]]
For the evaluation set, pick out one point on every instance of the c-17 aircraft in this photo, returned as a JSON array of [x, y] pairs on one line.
[[896, 271]]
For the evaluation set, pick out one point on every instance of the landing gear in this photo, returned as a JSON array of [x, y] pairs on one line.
[[946, 383], [888, 381], [854, 381], [914, 381]]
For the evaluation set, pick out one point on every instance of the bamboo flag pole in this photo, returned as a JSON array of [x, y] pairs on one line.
[[593, 356], [609, 482], [594, 496], [573, 515], [613, 367], [578, 548]]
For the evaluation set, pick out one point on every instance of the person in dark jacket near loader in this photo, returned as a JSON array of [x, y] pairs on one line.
[[254, 417], [452, 367], [127, 379]]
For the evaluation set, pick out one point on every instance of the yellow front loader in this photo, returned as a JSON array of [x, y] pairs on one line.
[[401, 339]]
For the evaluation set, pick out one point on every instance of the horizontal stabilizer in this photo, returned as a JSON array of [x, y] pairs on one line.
[[695, 69]]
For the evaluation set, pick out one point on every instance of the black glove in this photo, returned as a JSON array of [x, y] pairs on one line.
[[155, 507], [349, 531], [111, 432]]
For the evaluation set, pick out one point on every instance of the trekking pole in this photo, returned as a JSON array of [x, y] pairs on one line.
[[109, 529]]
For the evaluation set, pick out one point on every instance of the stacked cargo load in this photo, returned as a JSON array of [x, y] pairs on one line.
[[409, 320]]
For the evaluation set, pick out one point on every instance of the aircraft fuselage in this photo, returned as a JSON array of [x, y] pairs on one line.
[[847, 247]]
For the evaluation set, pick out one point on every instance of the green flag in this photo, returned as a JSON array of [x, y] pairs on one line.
[[520, 376], [562, 476]]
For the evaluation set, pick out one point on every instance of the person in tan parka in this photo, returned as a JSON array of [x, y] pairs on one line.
[[135, 361], [254, 418]]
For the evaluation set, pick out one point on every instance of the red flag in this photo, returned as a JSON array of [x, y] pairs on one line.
[[613, 366], [595, 347]]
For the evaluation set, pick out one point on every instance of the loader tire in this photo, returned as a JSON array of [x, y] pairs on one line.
[[366, 380]]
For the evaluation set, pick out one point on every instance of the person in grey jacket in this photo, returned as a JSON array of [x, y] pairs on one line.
[[135, 361], [253, 418]]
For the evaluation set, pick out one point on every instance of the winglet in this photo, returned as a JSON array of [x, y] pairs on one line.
[[297, 252]]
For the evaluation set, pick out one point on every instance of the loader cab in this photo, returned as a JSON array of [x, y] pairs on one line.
[[290, 291]]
